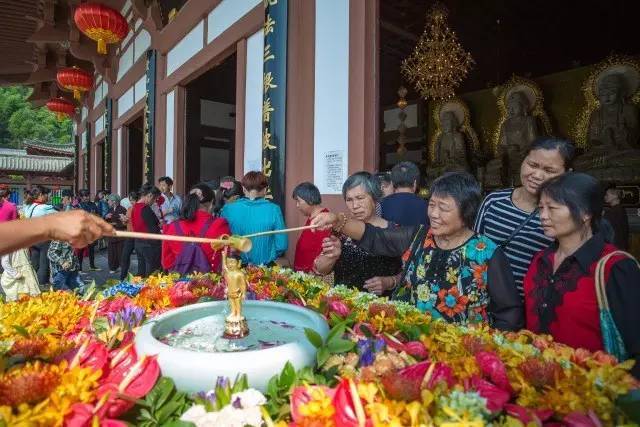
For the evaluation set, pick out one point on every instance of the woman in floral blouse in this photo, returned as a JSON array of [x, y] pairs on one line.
[[450, 271]]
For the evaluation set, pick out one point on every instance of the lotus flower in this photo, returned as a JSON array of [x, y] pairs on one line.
[[338, 307], [405, 384], [348, 406], [496, 397], [493, 368]]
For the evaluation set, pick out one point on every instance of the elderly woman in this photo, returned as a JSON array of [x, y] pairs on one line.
[[351, 264], [561, 284], [510, 218], [115, 245], [450, 271], [255, 214]]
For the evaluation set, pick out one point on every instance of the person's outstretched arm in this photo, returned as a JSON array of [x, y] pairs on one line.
[[76, 227]]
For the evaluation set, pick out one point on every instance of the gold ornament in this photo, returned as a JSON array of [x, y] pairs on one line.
[[402, 128], [438, 63]]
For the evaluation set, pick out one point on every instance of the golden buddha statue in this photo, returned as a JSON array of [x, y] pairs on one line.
[[235, 325]]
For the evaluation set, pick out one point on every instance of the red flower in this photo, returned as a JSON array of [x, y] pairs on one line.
[[348, 406], [451, 302], [493, 368], [496, 397]]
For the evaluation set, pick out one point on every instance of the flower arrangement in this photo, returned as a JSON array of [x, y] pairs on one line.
[[69, 361]]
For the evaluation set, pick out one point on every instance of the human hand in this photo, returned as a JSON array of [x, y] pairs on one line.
[[18, 276], [376, 285], [66, 265], [123, 218], [331, 247], [324, 221], [108, 216], [77, 227]]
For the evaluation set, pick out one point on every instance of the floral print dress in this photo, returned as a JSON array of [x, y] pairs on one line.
[[451, 284], [472, 283]]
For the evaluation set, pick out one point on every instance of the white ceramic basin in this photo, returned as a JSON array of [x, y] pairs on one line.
[[200, 355]]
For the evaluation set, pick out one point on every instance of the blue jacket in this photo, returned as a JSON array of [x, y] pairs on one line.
[[254, 216]]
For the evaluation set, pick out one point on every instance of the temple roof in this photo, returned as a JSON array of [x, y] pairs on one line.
[[19, 161], [44, 148]]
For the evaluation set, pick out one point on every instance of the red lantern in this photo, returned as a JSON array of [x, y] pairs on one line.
[[76, 80], [101, 23], [61, 107]]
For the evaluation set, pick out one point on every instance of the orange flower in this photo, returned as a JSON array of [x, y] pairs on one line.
[[451, 302], [478, 273]]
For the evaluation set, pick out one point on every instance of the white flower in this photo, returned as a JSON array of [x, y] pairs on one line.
[[229, 416], [250, 397]]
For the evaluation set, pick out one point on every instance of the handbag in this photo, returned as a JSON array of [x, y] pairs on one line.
[[517, 229], [611, 337], [398, 292]]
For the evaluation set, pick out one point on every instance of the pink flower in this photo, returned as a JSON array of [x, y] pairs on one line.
[[493, 368], [496, 397], [416, 349], [578, 419], [338, 307]]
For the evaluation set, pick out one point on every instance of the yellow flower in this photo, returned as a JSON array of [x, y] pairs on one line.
[[38, 394]]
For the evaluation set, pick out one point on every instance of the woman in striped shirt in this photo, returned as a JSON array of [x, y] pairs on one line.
[[510, 217]]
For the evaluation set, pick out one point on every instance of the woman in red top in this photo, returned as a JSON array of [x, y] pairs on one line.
[[560, 296], [195, 221], [308, 202]]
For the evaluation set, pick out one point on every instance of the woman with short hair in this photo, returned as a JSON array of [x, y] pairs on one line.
[[255, 214], [450, 271], [560, 286], [309, 203], [510, 217], [352, 264]]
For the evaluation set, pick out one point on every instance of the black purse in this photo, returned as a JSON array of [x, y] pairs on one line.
[[518, 229], [418, 238]]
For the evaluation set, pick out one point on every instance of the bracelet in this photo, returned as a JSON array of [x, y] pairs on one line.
[[343, 222]]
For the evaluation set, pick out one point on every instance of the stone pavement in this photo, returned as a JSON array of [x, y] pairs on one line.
[[102, 276]]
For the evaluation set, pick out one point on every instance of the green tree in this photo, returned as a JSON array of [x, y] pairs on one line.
[[19, 121]]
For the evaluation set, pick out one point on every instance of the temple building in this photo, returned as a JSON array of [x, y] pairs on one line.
[[313, 90], [39, 163]]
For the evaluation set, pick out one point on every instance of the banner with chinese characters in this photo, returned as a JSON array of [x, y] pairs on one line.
[[76, 160], [108, 144], [149, 141], [87, 153], [274, 99]]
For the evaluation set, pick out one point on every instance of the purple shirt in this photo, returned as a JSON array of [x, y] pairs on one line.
[[8, 211]]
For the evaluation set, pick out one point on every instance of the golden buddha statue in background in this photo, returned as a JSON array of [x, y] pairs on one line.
[[610, 132]]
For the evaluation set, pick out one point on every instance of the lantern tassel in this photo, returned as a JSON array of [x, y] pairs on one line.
[[60, 116], [76, 94], [102, 47]]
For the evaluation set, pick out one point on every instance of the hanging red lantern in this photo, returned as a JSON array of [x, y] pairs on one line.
[[61, 107], [76, 80], [101, 23]]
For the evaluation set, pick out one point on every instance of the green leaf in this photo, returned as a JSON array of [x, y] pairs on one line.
[[287, 376], [336, 332], [179, 423], [272, 386], [314, 338], [164, 413], [366, 331], [630, 405], [146, 414], [47, 331], [21, 330], [340, 345], [240, 384], [166, 389], [322, 356]]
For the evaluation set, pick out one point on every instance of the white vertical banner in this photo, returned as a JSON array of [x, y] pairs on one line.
[[331, 101], [253, 103], [119, 164], [170, 145]]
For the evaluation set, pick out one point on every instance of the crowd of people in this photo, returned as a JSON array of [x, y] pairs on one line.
[[545, 256]]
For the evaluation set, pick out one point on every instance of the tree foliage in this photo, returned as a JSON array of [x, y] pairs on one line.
[[19, 121]]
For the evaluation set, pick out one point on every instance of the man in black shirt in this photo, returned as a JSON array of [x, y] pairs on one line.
[[404, 207]]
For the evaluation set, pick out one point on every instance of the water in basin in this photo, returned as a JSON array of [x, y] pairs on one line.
[[205, 335]]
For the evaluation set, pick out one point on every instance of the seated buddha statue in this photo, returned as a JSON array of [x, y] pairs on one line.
[[613, 133], [517, 132]]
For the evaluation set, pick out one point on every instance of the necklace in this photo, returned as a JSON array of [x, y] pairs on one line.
[[451, 242]]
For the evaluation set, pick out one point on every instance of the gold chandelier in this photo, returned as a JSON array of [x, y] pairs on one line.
[[438, 63]]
